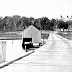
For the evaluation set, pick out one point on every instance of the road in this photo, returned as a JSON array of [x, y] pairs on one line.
[[54, 56]]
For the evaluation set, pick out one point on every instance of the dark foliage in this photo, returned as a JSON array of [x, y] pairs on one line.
[[16, 23], [63, 25]]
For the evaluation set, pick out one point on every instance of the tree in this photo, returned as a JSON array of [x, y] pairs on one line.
[[8, 24], [53, 24], [45, 23], [2, 23], [31, 20], [25, 22], [63, 25], [15, 20], [37, 23], [20, 25]]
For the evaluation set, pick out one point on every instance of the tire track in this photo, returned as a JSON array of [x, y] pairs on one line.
[[52, 48], [53, 42], [66, 42]]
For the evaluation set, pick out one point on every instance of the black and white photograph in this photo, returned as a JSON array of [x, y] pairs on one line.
[[35, 35]]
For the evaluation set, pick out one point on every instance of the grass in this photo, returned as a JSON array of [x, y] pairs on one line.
[[10, 36], [18, 35], [66, 34]]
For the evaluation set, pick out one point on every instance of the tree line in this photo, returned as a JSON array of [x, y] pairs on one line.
[[18, 23]]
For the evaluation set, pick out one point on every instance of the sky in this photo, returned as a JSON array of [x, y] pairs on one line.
[[36, 8]]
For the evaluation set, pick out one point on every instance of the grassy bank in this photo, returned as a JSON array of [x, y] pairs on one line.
[[66, 34]]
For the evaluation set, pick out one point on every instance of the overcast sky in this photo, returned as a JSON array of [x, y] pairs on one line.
[[36, 8]]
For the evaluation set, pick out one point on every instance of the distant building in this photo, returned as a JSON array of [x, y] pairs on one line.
[[32, 32]]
